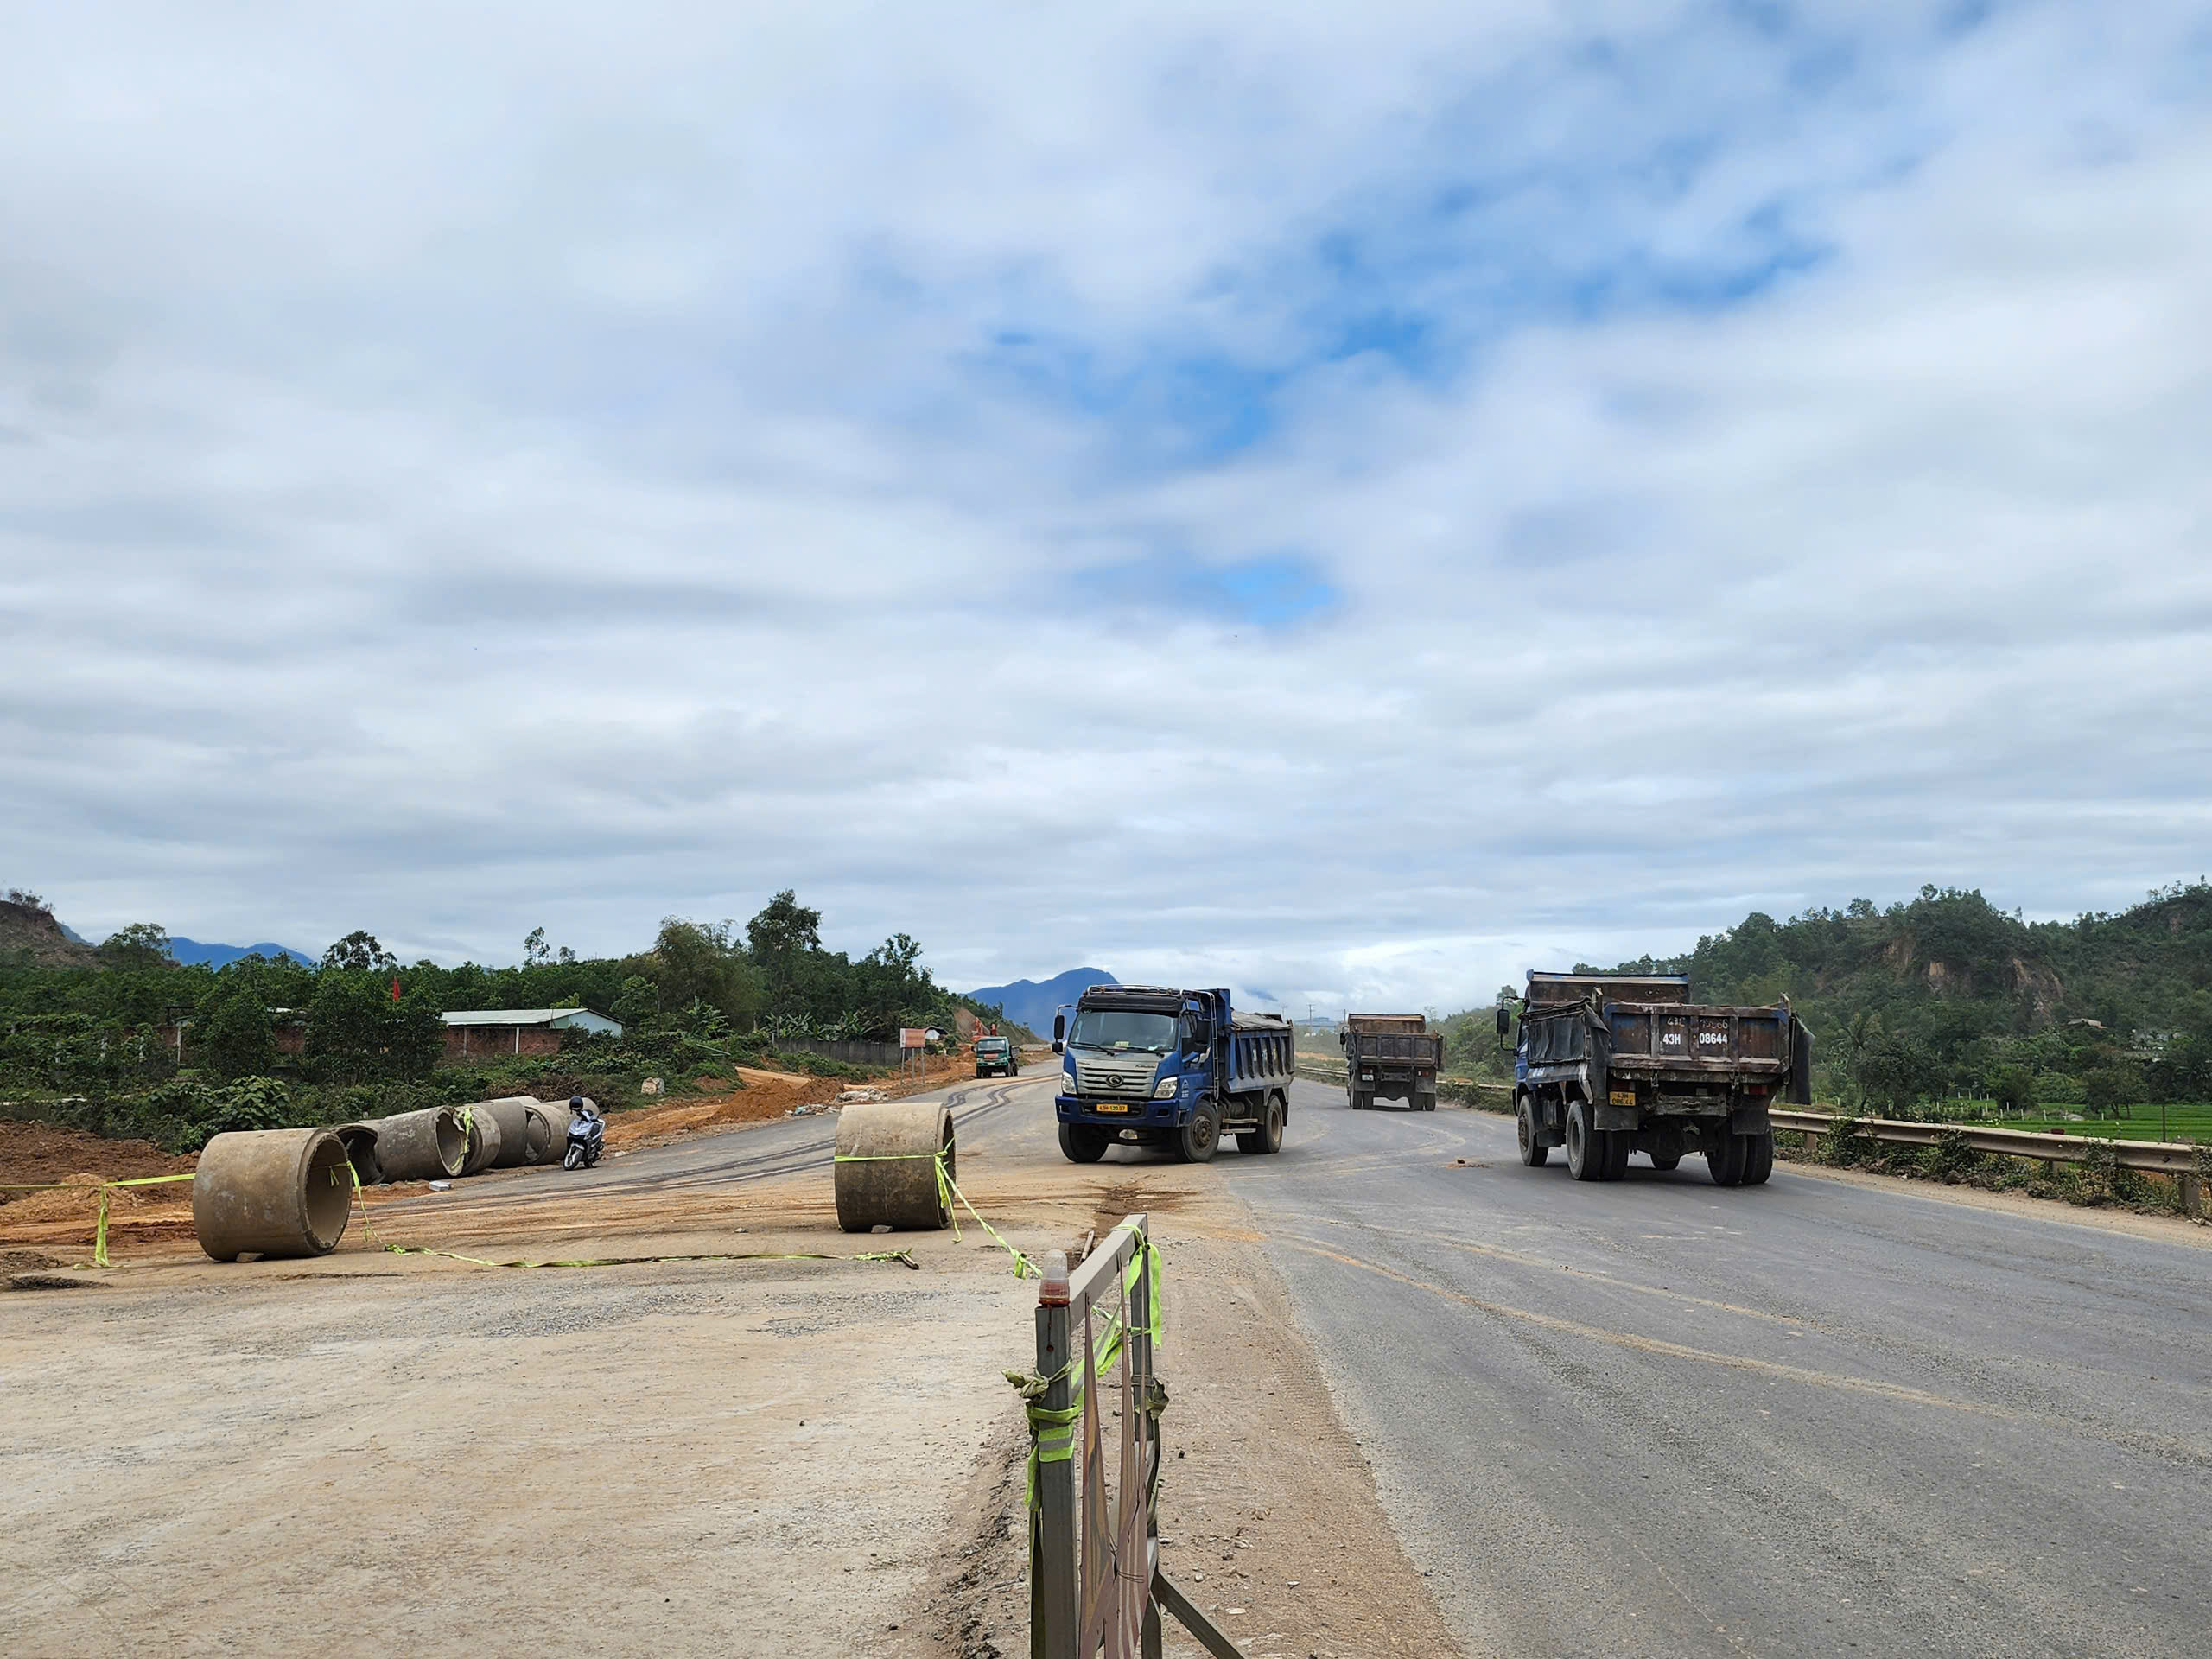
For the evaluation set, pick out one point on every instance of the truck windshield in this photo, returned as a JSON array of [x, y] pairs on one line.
[[1123, 1029]]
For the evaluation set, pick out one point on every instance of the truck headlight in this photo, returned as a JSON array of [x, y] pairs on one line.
[[1165, 1089], [1067, 1083]]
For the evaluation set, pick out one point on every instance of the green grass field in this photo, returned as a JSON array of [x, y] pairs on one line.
[[2192, 1122]]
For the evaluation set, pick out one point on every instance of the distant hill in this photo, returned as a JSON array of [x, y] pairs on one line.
[[32, 929], [1032, 1002], [189, 952]]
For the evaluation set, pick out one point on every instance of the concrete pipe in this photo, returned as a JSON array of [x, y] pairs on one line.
[[483, 1149], [512, 1113], [545, 1135], [273, 1192], [887, 1154], [424, 1146], [359, 1141]]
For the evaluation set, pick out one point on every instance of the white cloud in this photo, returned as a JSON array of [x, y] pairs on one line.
[[475, 472]]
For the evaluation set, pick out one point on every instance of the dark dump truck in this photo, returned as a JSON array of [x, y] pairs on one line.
[[995, 1058], [1609, 1065], [1149, 1066], [1393, 1055]]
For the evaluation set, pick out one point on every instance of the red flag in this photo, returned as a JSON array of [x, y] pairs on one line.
[[395, 990]]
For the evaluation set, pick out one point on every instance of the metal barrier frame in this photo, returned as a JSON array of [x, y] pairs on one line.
[[1104, 1591], [2175, 1158]]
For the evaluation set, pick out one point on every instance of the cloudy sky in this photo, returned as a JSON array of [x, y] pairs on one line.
[[1350, 502]]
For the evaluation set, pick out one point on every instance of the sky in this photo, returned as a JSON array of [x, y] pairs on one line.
[[1351, 502]]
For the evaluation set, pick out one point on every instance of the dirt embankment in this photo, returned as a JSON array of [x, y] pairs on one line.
[[765, 1095]]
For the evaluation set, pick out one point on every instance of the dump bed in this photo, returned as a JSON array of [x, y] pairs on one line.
[[1395, 1024], [1672, 1044]]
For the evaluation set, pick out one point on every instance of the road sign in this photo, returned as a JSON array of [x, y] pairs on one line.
[[912, 1036]]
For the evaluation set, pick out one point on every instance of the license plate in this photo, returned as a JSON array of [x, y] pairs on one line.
[[1623, 1097], [1110, 1106]]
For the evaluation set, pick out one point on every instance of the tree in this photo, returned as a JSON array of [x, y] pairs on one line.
[[782, 936], [2014, 1089], [359, 951], [236, 1038], [702, 962], [141, 944], [1894, 1073], [534, 949], [2111, 1090]]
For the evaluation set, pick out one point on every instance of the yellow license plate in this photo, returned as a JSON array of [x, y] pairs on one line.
[[1623, 1097], [1110, 1106]]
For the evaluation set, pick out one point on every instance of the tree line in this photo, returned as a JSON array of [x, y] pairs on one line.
[[699, 989]]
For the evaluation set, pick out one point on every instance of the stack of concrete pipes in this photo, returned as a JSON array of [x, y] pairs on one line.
[[287, 1192], [442, 1143]]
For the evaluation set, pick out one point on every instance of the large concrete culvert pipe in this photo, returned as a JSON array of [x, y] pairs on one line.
[[483, 1149], [545, 1136], [359, 1141], [424, 1146], [521, 1141], [271, 1193], [888, 1157]]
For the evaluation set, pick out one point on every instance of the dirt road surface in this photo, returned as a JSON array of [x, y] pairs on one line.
[[375, 1453]]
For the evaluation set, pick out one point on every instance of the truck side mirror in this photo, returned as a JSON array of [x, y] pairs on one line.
[[1504, 1021], [1060, 1031]]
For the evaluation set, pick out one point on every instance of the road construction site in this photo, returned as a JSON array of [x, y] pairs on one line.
[[1424, 1400]]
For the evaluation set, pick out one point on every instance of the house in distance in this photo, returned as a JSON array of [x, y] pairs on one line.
[[487, 1034]]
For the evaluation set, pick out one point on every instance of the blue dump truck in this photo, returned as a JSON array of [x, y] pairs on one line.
[[1609, 1065], [1151, 1067]]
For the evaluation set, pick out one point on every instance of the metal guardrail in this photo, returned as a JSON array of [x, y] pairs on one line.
[[1101, 1590], [2180, 1159]]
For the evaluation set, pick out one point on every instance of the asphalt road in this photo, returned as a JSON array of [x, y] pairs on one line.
[[1661, 1417], [1658, 1417]]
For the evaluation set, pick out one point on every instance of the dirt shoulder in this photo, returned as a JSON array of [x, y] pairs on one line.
[[1268, 1518]]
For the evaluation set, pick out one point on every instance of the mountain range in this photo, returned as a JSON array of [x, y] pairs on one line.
[[189, 952], [1032, 1002]]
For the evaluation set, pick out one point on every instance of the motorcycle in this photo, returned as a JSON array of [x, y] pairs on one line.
[[587, 1136]]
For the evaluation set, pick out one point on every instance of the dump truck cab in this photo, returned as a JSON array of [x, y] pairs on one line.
[[1154, 1066], [995, 1058]]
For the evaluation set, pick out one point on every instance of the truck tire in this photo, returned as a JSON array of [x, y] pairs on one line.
[[1200, 1138], [1759, 1158], [1727, 1159], [1268, 1136], [1588, 1153], [1617, 1148], [1081, 1144], [1534, 1152]]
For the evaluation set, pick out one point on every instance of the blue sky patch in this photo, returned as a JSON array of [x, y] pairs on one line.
[[1274, 591]]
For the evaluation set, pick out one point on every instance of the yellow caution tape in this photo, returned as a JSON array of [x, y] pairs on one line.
[[905, 1258], [948, 1191], [99, 1226]]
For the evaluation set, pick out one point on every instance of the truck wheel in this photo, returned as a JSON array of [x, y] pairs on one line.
[[1268, 1136], [1759, 1158], [1725, 1160], [1201, 1136], [1081, 1144], [1534, 1152], [1586, 1153], [1617, 1148]]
